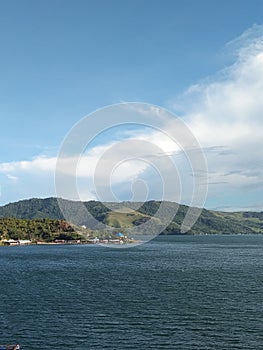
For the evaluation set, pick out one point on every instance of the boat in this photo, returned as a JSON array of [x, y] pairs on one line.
[[11, 347]]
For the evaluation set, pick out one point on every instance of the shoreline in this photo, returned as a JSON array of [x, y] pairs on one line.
[[98, 242]]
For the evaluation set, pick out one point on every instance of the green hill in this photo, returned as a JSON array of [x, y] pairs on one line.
[[45, 230], [209, 222]]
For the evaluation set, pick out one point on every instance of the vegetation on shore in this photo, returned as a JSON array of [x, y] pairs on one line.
[[37, 230]]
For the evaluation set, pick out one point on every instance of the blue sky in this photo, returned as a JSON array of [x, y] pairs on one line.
[[61, 60]]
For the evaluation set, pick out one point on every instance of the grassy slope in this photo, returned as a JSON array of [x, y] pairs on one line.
[[124, 218], [250, 224]]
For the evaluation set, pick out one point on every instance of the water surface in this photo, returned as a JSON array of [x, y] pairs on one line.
[[180, 292]]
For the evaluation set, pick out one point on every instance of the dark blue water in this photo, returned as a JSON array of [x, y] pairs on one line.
[[187, 293]]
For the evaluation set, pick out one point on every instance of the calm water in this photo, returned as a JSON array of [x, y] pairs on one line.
[[176, 293]]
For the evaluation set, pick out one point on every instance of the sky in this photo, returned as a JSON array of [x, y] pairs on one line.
[[200, 60]]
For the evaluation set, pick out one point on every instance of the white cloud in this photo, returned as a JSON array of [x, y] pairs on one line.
[[12, 177], [40, 163], [227, 111]]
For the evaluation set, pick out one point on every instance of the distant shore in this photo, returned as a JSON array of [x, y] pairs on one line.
[[16, 243]]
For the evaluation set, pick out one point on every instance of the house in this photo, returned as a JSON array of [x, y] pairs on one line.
[[11, 242], [24, 242]]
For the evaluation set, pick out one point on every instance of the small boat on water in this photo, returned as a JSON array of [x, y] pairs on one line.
[[11, 347]]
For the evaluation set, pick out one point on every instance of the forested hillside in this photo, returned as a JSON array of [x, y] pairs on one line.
[[45, 230], [209, 222]]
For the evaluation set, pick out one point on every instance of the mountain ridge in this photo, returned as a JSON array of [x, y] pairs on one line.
[[209, 222]]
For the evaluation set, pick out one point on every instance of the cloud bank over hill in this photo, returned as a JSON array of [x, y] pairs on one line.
[[224, 112], [226, 115]]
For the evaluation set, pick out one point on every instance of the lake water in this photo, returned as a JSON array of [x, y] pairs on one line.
[[186, 292]]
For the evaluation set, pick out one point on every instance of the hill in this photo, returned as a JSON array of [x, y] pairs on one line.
[[209, 222], [45, 230]]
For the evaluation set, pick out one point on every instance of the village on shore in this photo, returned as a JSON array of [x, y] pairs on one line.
[[119, 238]]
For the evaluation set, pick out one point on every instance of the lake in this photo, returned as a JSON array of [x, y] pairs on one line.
[[177, 292]]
